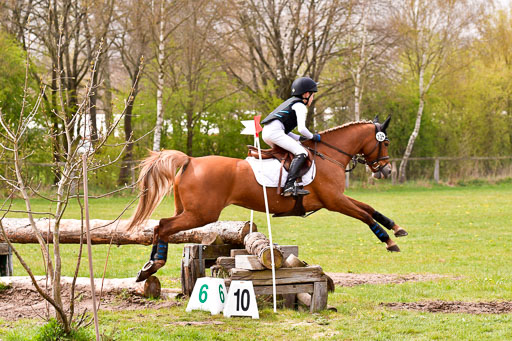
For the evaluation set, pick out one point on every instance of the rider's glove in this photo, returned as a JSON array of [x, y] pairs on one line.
[[316, 137], [302, 138]]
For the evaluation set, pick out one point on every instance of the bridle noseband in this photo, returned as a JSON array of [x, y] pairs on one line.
[[359, 158]]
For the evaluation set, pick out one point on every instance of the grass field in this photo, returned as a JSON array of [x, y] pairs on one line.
[[463, 232]]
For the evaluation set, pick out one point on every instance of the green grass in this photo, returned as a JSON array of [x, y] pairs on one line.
[[457, 231]]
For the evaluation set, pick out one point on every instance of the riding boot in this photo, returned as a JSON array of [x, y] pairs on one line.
[[295, 167]]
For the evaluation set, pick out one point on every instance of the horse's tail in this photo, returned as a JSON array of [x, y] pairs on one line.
[[156, 179]]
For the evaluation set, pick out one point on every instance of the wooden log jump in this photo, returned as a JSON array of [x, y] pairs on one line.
[[18, 230]]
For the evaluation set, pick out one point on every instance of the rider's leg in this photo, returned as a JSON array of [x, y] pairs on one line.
[[273, 134], [295, 167]]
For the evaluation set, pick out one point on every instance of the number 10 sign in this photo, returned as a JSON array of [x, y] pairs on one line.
[[241, 300]]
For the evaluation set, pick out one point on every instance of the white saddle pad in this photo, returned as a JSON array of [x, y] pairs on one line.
[[267, 172]]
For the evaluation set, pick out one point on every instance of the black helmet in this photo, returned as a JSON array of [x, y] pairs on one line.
[[302, 85]]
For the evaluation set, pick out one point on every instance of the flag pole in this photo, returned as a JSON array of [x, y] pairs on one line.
[[269, 231], [253, 127]]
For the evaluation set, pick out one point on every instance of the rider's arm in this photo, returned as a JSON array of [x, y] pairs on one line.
[[301, 111], [294, 136]]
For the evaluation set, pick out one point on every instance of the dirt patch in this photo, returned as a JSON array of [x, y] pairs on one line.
[[350, 279], [21, 300], [494, 307]]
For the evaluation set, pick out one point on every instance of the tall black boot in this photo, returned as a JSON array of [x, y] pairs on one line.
[[295, 167]]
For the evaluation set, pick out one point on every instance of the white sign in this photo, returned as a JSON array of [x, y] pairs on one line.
[[241, 300], [209, 294], [380, 136]]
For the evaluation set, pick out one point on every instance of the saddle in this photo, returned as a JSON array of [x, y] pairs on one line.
[[285, 157]]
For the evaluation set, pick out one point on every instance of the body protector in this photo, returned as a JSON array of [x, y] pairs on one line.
[[285, 114]]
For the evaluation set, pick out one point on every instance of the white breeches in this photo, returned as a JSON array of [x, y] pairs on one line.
[[273, 134]]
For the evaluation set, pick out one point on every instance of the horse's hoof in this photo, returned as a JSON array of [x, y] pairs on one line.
[[148, 269], [401, 233], [393, 248]]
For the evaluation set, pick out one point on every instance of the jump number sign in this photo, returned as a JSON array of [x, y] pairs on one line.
[[241, 300], [208, 294]]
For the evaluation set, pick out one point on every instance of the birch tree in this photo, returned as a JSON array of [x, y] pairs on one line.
[[431, 31]]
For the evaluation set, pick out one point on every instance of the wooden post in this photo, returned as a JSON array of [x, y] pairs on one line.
[[347, 179], [319, 297], [5, 260], [436, 171]]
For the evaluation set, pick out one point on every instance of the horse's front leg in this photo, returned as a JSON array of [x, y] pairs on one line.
[[345, 206], [382, 219]]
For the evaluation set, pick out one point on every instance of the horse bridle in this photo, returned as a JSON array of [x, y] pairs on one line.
[[359, 158]]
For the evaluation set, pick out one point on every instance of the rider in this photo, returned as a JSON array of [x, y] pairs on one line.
[[286, 117]]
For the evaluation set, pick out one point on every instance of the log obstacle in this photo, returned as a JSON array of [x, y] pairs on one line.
[[18, 230], [297, 282], [258, 245]]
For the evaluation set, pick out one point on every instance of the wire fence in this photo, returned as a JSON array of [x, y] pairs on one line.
[[433, 169], [446, 169]]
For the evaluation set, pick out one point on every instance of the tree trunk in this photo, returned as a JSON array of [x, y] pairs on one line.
[[107, 94], [92, 108], [160, 85], [19, 230], [124, 174], [414, 134]]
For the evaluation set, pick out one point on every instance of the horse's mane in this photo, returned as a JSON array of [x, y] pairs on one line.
[[346, 125]]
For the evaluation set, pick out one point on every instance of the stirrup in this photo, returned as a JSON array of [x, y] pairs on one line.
[[294, 191]]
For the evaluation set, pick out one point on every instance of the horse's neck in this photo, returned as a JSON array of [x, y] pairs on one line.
[[350, 139]]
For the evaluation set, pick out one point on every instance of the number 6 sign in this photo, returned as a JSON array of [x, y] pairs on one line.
[[208, 295], [241, 300]]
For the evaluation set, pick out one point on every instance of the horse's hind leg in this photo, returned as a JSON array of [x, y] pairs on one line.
[[380, 218]]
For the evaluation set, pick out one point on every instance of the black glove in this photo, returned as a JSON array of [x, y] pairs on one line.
[[302, 138], [316, 137]]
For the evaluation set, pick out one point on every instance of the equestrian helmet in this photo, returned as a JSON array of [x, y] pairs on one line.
[[302, 85]]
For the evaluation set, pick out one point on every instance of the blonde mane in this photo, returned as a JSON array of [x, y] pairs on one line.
[[346, 125]]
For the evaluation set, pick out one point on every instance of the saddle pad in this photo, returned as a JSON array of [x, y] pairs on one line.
[[267, 173]]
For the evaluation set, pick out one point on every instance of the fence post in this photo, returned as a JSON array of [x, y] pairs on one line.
[[393, 172], [436, 170], [347, 179]]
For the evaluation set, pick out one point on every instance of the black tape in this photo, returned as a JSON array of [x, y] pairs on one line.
[[379, 232], [159, 251], [385, 221]]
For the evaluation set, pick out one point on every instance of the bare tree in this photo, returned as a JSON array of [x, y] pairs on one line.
[[270, 43], [431, 32], [13, 134], [193, 69], [61, 32], [132, 43]]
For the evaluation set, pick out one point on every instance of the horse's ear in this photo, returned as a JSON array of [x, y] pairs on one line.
[[376, 119], [386, 123]]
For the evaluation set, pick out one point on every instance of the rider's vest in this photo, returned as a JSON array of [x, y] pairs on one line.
[[285, 114]]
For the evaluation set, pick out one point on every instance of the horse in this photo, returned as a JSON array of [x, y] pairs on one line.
[[204, 186]]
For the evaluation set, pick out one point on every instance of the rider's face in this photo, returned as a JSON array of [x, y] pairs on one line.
[[310, 98]]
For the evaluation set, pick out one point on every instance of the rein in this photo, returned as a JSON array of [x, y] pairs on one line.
[[355, 158]]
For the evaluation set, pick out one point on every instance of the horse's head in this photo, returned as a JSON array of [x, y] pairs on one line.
[[376, 150]]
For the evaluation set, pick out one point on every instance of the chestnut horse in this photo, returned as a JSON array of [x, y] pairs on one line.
[[204, 186]]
